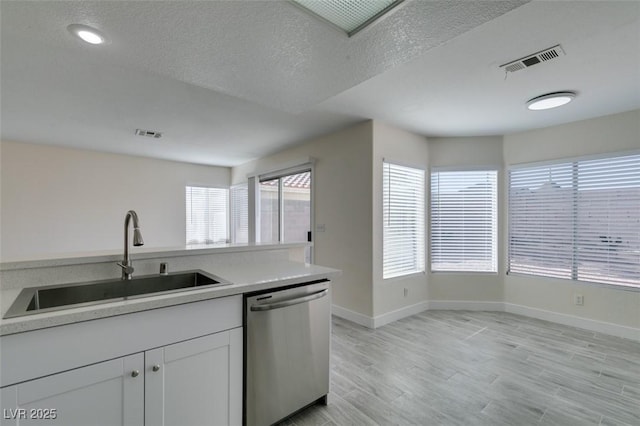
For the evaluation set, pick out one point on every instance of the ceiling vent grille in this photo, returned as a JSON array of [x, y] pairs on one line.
[[148, 133], [534, 59]]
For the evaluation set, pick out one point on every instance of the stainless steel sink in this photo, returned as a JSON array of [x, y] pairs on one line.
[[52, 298]]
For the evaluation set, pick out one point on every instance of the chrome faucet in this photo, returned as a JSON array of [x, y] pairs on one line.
[[126, 265]]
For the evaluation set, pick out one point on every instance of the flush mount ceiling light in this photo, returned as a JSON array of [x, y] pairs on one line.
[[87, 34], [550, 100], [348, 15]]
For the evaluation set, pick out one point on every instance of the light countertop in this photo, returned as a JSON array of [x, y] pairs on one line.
[[245, 279]]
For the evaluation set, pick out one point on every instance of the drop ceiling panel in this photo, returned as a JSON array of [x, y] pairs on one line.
[[348, 15]]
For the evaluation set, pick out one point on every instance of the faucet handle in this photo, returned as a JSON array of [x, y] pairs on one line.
[[127, 269]]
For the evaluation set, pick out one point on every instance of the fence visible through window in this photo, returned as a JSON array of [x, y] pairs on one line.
[[577, 220]]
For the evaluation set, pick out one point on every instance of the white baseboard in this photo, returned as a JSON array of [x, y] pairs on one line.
[[380, 320], [468, 305], [574, 321], [357, 317], [392, 316], [465, 305]]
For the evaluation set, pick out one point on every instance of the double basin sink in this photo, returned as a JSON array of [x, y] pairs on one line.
[[53, 298]]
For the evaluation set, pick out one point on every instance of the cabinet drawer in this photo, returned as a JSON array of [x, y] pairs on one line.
[[26, 356]]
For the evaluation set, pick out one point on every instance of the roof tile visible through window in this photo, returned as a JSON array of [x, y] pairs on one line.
[[299, 180]]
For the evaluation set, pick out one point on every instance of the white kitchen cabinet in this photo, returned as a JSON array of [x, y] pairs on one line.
[[197, 382], [101, 394], [102, 372]]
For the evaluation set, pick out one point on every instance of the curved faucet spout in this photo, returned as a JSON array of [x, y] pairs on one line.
[[126, 265]]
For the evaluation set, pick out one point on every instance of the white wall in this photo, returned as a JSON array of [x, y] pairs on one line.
[[406, 148], [342, 197], [459, 153], [59, 200], [615, 133]]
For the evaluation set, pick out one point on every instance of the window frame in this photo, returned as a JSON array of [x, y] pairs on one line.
[[233, 238], [227, 214], [496, 220], [573, 161], [301, 165], [421, 254], [279, 175]]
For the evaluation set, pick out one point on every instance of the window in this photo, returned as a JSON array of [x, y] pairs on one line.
[[239, 205], [403, 220], [270, 211], [577, 220], [464, 221], [285, 207], [285, 199], [207, 212]]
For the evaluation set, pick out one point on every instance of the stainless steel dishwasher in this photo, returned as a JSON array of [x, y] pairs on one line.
[[287, 338]]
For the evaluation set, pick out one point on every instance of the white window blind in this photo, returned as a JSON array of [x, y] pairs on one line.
[[239, 200], [207, 215], [403, 217], [577, 220], [541, 220], [464, 221]]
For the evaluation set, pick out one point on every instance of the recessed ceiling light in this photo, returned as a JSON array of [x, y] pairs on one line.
[[550, 100], [87, 34]]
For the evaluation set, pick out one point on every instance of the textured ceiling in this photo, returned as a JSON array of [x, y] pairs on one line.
[[229, 81], [269, 52], [458, 88]]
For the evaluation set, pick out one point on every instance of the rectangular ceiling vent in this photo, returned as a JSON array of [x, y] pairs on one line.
[[148, 133], [533, 59]]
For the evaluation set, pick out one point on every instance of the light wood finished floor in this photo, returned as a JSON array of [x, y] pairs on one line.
[[478, 368]]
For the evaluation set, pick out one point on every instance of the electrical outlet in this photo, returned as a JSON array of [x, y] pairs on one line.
[[406, 292], [578, 299]]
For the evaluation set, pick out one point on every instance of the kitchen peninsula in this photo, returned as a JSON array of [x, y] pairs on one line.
[[151, 357]]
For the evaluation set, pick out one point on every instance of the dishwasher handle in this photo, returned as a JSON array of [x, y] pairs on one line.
[[290, 302]]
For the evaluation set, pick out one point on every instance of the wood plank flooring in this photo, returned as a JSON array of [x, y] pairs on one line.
[[478, 368]]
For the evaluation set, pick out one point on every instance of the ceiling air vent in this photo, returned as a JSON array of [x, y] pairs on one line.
[[148, 133], [534, 59]]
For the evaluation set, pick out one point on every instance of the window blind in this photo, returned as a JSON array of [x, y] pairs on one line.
[[607, 242], [239, 207], [541, 220], [577, 220], [403, 220], [207, 213], [464, 221]]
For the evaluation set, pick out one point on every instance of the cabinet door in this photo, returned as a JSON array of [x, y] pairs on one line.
[[197, 382], [101, 394]]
